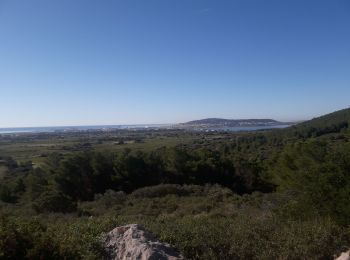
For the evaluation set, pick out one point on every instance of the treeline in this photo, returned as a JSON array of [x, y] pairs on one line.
[[61, 182]]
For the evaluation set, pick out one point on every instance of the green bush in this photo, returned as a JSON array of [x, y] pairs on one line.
[[21, 239], [54, 201], [181, 190]]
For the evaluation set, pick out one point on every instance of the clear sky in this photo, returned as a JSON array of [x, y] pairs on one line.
[[87, 62]]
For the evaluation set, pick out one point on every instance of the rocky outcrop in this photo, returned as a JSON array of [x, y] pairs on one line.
[[134, 242], [344, 256]]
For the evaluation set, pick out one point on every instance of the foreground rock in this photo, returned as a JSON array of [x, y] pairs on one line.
[[133, 242], [344, 256]]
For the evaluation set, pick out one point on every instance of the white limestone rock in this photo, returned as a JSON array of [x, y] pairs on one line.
[[133, 242]]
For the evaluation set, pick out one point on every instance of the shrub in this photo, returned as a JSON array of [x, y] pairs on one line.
[[103, 203], [53, 201], [181, 190], [25, 239], [160, 191]]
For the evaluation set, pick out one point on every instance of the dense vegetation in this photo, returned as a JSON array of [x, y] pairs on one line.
[[263, 195]]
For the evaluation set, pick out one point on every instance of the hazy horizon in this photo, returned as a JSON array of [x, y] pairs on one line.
[[86, 62], [145, 124]]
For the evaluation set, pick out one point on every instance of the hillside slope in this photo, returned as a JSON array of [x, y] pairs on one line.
[[330, 123]]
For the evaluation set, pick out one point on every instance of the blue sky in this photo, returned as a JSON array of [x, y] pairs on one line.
[[84, 62]]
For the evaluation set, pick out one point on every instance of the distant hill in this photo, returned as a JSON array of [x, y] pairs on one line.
[[219, 122], [330, 123]]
